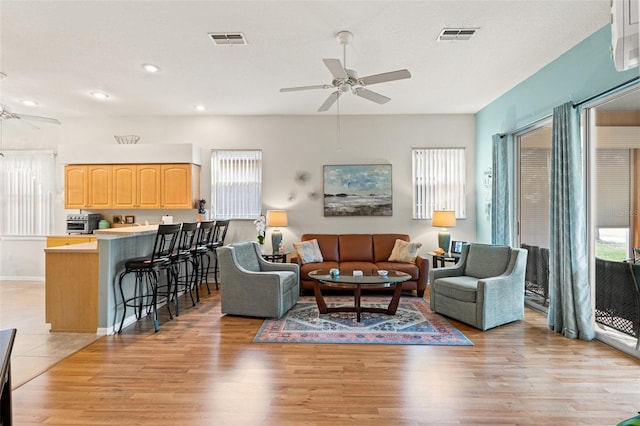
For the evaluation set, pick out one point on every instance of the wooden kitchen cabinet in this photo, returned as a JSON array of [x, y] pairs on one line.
[[88, 186], [71, 288], [100, 186], [136, 186], [124, 186], [177, 183], [132, 186], [75, 187], [148, 178]]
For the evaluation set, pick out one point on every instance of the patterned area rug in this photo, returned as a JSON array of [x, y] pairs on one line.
[[413, 324]]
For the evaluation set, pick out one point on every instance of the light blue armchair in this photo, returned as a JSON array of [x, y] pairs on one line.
[[254, 287], [484, 289]]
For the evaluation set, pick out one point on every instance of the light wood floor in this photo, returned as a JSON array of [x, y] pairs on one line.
[[203, 369]]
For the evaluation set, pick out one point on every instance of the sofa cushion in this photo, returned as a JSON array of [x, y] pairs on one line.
[[462, 288], [308, 251], [305, 269], [404, 252], [383, 245], [347, 268], [486, 260], [408, 268], [356, 247], [328, 245]]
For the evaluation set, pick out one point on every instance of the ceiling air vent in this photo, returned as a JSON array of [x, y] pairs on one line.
[[456, 34], [226, 39]]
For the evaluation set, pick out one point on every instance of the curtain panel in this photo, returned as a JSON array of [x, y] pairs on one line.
[[502, 190], [569, 294]]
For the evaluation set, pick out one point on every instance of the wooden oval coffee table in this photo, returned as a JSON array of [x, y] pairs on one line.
[[370, 281]]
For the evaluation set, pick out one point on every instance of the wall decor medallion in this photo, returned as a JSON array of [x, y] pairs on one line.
[[358, 190]]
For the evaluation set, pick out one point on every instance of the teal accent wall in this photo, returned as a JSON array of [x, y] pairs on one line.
[[583, 71]]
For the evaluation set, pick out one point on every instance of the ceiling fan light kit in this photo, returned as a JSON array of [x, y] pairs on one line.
[[347, 80]]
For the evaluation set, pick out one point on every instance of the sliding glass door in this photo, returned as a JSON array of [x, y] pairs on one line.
[[612, 134], [533, 148]]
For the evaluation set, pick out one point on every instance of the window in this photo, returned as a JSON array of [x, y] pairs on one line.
[[236, 184], [27, 181], [438, 181]]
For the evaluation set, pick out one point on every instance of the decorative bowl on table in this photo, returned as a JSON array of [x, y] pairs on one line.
[[382, 272]]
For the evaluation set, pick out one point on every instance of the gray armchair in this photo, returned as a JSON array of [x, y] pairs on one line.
[[254, 287], [484, 289]]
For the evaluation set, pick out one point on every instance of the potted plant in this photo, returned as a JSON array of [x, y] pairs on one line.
[[261, 226]]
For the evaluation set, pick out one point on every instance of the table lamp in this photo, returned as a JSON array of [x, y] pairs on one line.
[[444, 219], [276, 218]]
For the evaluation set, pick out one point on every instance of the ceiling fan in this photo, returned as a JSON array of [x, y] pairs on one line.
[[5, 114], [347, 80]]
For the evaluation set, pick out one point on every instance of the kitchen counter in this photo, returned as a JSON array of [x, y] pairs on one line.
[[74, 248], [81, 290], [127, 231]]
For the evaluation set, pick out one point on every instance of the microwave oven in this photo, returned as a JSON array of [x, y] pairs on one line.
[[83, 223]]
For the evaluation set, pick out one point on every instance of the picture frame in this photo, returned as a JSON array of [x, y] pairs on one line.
[[129, 219], [117, 218], [358, 190]]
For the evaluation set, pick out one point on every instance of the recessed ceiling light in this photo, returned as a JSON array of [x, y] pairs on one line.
[[151, 68], [29, 102], [99, 95], [200, 107]]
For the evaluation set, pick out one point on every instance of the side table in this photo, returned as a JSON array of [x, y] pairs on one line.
[[275, 257], [439, 260]]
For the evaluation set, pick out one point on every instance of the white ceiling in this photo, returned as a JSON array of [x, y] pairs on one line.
[[56, 52]]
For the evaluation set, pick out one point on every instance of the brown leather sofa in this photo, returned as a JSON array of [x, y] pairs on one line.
[[363, 252]]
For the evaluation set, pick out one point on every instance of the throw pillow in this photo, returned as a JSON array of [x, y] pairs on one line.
[[404, 252], [308, 251]]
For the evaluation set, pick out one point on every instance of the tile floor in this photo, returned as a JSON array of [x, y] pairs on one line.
[[36, 349]]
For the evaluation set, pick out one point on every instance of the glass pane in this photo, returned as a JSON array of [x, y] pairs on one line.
[[535, 163]]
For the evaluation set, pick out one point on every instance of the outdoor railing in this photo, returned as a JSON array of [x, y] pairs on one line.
[[618, 296], [537, 274]]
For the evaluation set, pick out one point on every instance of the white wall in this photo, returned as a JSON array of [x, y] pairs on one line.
[[290, 144]]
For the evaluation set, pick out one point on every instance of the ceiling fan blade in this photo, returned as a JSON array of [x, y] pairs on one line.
[[295, 89], [329, 102], [372, 96], [335, 68], [37, 118], [387, 76]]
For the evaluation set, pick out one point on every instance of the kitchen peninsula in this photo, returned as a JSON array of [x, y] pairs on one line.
[[81, 279]]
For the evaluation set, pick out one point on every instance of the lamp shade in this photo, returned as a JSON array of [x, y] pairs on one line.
[[277, 218], [442, 218]]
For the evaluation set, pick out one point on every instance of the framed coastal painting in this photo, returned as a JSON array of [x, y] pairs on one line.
[[357, 190]]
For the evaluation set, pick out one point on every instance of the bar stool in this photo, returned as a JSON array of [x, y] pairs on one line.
[[219, 234], [146, 270], [200, 251], [183, 263]]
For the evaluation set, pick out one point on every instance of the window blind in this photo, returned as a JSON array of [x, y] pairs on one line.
[[439, 180], [535, 165], [613, 197], [236, 184], [26, 200]]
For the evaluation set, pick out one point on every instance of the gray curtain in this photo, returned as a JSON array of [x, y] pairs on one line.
[[569, 294], [502, 190]]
